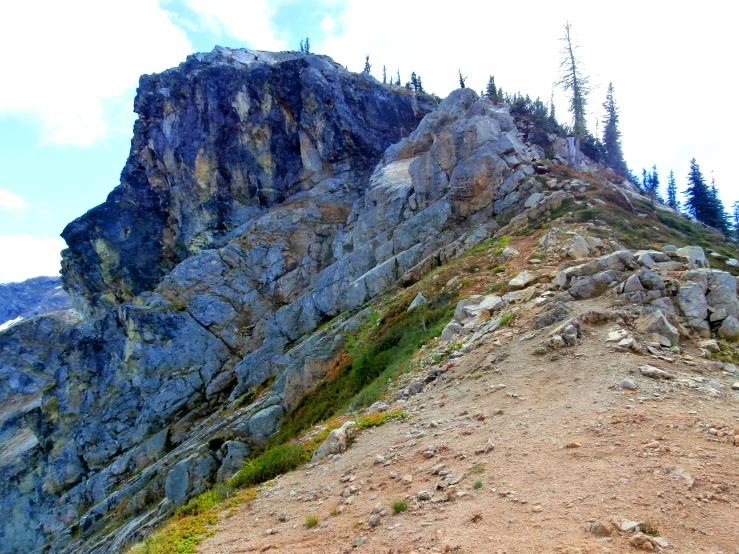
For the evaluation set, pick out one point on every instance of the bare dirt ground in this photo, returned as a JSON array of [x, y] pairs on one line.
[[571, 449]]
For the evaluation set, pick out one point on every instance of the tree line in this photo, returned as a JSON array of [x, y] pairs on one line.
[[701, 201]]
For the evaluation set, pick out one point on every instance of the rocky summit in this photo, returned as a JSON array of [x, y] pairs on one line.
[[273, 207]]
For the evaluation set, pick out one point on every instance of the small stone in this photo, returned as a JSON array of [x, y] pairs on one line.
[[641, 542], [419, 300], [455, 479], [393, 475], [628, 343], [710, 344], [631, 526], [374, 520], [735, 386], [424, 495], [272, 531], [407, 479], [380, 459], [359, 541], [600, 529], [654, 372], [572, 445], [628, 384], [428, 454], [661, 542]]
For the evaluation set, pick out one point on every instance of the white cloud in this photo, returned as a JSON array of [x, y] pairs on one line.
[[667, 63], [328, 24], [72, 63], [248, 21], [11, 202], [25, 256]]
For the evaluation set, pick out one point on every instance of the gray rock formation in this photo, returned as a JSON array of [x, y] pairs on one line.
[[251, 211]]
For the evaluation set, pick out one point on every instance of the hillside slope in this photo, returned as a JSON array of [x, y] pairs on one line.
[[520, 446], [251, 276]]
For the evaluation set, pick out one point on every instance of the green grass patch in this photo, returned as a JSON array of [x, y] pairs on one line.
[[380, 351], [192, 523], [270, 464], [477, 485], [399, 506], [311, 521]]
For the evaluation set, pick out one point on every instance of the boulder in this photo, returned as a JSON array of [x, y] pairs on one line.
[[235, 454], [419, 300], [533, 200], [469, 308], [451, 331], [633, 284], [335, 442], [657, 323], [650, 280], [695, 256], [579, 248], [693, 305], [522, 280], [729, 329]]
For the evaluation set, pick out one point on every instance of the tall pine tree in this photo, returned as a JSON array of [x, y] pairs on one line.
[[367, 66], [384, 74], [672, 201], [574, 81], [735, 221], [653, 184], [614, 156], [719, 213], [491, 91], [462, 79]]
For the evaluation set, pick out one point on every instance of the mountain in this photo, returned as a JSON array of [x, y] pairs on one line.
[[33, 297], [273, 211]]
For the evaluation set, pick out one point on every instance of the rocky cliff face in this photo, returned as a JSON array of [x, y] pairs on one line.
[[265, 195], [219, 140]]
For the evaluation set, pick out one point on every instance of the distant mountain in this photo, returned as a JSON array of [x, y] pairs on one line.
[[30, 298]]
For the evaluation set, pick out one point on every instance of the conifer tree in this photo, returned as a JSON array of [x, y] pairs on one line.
[[614, 157], [644, 180], [702, 202], [307, 45], [414, 81], [735, 221], [462, 79], [420, 84], [574, 81], [367, 66], [302, 48], [653, 184], [384, 75], [672, 201], [491, 91], [398, 80], [719, 213], [552, 124]]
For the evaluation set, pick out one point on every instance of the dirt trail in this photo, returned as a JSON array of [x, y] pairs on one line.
[[570, 449]]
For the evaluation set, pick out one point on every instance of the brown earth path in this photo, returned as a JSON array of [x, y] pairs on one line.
[[570, 449]]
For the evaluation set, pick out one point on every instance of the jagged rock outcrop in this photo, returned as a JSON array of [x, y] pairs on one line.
[[265, 195], [219, 140], [30, 298]]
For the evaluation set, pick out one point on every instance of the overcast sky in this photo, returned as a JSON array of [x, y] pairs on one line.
[[71, 68]]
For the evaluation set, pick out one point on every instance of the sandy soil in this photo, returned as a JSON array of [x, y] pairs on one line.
[[571, 449]]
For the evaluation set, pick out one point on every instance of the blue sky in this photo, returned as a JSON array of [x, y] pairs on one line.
[[66, 108]]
